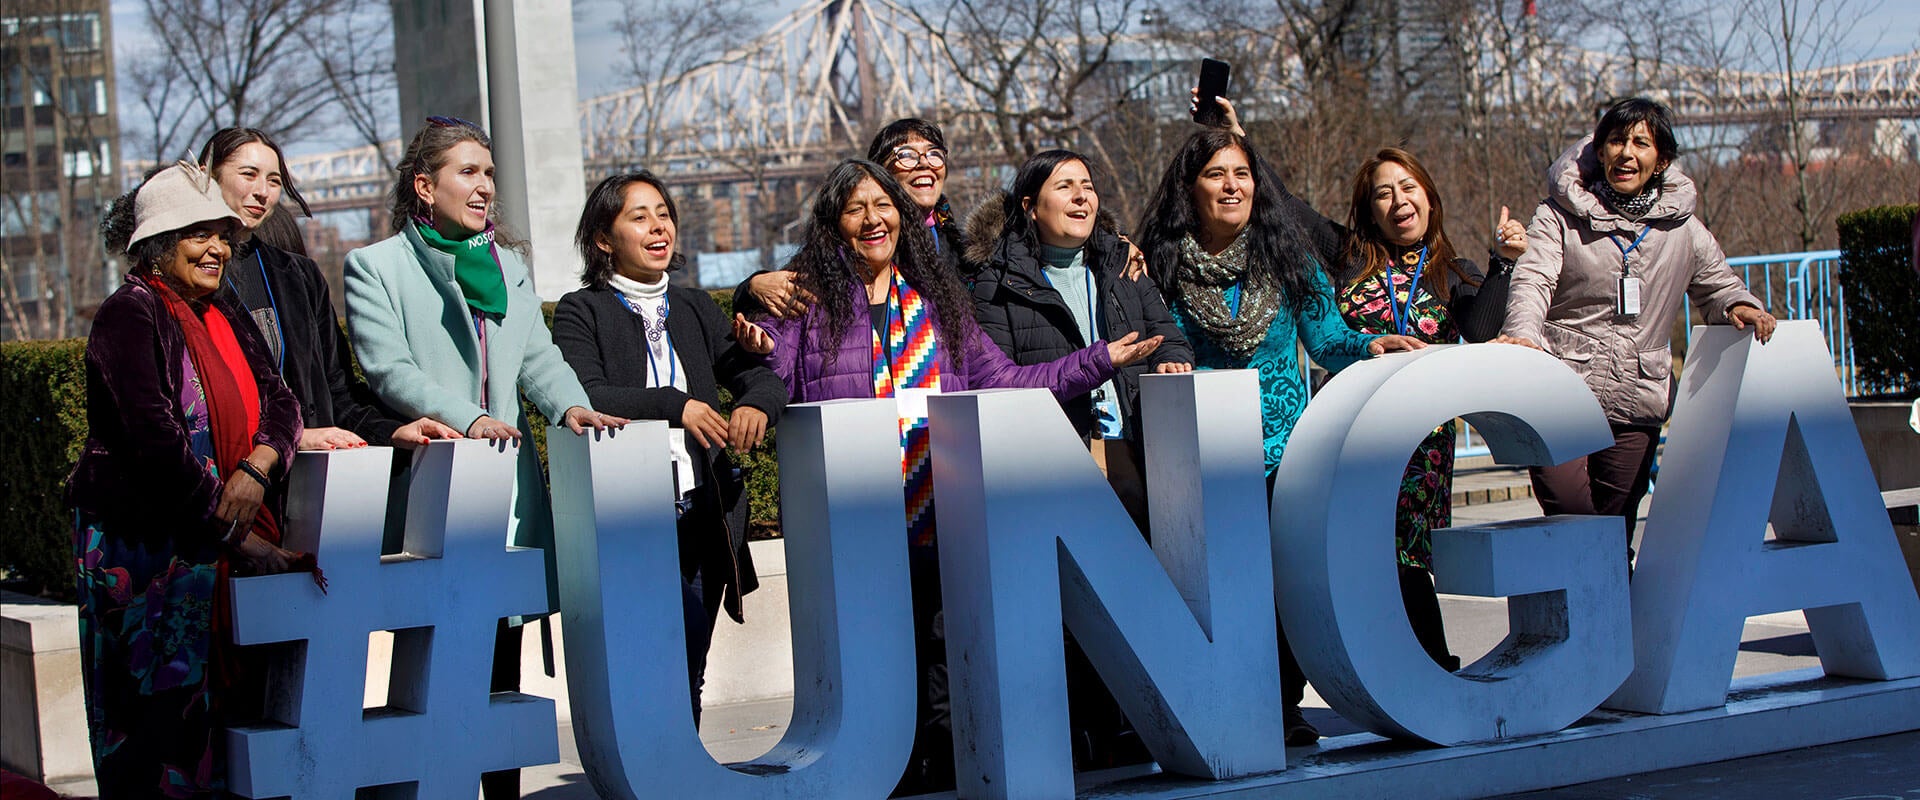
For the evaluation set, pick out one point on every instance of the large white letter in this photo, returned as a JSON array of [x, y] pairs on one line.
[[1030, 533], [1333, 525], [443, 597], [1762, 434], [844, 516]]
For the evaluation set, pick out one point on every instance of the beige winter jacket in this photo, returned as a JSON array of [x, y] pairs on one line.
[[1565, 286]]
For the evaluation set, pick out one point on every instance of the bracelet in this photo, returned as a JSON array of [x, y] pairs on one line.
[[248, 467]]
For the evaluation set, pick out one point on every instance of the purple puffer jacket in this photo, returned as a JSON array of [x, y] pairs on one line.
[[799, 356]]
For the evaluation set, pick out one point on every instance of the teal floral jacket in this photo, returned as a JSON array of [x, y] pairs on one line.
[[1283, 382]]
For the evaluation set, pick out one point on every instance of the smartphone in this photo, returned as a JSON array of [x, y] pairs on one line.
[[1214, 75]]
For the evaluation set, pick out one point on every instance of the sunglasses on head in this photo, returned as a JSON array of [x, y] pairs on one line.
[[449, 122]]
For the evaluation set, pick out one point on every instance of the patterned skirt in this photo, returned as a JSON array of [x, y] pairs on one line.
[[147, 652]]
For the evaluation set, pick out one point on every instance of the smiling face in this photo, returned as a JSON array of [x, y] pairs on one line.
[[1223, 194], [1401, 208], [641, 241], [460, 193], [924, 181], [194, 266], [1064, 208], [870, 224], [1630, 158], [250, 182]]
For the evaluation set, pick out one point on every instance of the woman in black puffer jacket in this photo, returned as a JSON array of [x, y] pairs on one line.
[[1051, 280]]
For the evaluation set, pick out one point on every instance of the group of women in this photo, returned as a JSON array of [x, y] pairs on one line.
[[220, 358]]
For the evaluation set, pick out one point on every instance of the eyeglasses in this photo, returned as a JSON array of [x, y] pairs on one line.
[[909, 158], [449, 122]]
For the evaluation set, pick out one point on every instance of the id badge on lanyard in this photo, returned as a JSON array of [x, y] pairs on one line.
[[1626, 300], [1628, 304]]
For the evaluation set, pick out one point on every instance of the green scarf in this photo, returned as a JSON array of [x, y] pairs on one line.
[[475, 267]]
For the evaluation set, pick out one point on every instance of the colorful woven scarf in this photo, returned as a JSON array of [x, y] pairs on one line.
[[909, 358]]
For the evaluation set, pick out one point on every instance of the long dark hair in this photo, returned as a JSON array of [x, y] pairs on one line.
[[824, 267], [425, 155], [1277, 248], [1368, 251], [603, 208], [226, 141], [1027, 184]]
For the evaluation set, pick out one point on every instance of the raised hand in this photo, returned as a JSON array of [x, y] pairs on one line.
[[752, 338], [1509, 237], [1131, 348]]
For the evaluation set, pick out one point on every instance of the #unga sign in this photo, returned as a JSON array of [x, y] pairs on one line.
[[1182, 631]]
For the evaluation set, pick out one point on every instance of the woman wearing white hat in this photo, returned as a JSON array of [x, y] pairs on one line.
[[181, 483]]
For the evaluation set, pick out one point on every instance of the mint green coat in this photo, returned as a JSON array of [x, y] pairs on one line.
[[414, 336]]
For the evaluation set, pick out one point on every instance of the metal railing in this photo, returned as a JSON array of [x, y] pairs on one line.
[[1793, 286]]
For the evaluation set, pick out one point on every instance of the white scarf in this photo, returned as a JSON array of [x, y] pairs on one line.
[[664, 369]]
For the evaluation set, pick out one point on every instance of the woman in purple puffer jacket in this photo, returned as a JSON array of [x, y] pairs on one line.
[[917, 337]]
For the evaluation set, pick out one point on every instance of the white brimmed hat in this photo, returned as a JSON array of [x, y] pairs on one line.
[[177, 197]]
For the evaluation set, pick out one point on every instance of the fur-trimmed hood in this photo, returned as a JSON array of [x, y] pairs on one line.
[[989, 220], [1578, 167]]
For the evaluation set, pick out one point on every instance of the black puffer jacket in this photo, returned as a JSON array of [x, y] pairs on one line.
[[1021, 311]]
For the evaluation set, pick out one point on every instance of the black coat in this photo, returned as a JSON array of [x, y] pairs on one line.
[[606, 345], [1021, 311], [309, 340]]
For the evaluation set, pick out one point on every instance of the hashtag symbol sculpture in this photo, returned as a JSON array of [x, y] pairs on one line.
[[442, 597]]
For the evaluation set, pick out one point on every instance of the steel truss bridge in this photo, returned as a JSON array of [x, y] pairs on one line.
[[816, 84]]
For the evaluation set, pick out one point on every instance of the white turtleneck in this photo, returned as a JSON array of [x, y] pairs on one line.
[[664, 369]]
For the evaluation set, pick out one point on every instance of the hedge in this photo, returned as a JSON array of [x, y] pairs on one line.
[[43, 409], [1882, 296]]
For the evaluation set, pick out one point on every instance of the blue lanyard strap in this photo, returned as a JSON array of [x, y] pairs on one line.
[[1403, 315], [1625, 250], [279, 331], [653, 366], [1232, 295]]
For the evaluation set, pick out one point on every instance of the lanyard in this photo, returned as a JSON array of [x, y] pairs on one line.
[[653, 366], [279, 331], [1393, 302], [1232, 295], [1624, 251], [1093, 315]]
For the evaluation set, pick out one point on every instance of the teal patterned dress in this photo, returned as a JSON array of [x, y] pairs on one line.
[[1283, 383], [1426, 488], [147, 606]]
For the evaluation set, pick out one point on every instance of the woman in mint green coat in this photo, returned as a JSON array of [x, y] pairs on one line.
[[447, 326]]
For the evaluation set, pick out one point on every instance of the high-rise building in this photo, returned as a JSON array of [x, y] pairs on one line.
[[59, 133]]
